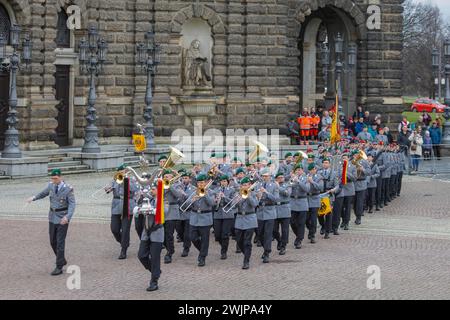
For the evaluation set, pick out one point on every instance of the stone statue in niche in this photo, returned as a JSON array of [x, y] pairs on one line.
[[196, 66]]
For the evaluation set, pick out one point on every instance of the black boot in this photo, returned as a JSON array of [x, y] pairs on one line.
[[223, 256], [346, 226], [153, 285], [282, 251], [335, 232], [358, 221], [327, 236], [298, 245], [185, 253], [201, 262], [312, 240], [279, 246], [123, 254], [246, 265], [57, 271], [168, 258], [322, 231], [266, 258]]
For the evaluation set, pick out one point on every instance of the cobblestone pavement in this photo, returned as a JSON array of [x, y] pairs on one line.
[[409, 241]]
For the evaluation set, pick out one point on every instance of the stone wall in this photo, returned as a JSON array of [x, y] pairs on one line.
[[255, 68]]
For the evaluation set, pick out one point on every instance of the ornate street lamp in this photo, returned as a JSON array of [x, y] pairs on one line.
[[11, 64], [325, 61], [339, 48], [92, 57], [447, 71], [149, 59]]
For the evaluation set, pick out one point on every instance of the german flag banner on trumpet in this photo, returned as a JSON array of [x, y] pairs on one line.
[[159, 217]]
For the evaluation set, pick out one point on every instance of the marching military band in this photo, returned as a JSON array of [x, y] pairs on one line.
[[254, 202]]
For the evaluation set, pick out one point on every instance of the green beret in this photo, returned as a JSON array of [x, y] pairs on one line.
[[248, 164], [299, 166], [240, 170], [224, 177], [185, 174], [296, 154], [213, 155], [202, 177], [311, 166], [311, 156], [356, 151], [245, 180], [288, 155], [326, 159], [162, 158], [279, 174], [121, 167], [166, 172], [265, 171], [55, 173]]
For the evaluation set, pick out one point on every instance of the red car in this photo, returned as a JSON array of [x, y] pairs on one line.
[[427, 105]]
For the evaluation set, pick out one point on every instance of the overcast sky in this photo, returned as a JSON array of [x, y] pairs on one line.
[[444, 5]]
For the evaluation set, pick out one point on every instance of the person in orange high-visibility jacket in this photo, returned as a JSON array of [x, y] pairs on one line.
[[315, 120], [305, 127]]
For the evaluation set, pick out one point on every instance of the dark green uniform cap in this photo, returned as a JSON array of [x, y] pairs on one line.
[[202, 177], [162, 158], [55, 173], [224, 177], [121, 167], [245, 180]]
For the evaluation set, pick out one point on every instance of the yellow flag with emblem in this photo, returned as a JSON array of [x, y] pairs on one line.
[[139, 142], [325, 206]]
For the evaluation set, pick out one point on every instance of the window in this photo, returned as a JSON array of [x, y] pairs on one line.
[[5, 23], [62, 32]]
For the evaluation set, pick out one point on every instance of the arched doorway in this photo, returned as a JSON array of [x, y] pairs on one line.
[[5, 27], [318, 80]]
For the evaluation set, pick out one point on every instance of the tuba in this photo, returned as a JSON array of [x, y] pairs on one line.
[[260, 148], [174, 157], [361, 156]]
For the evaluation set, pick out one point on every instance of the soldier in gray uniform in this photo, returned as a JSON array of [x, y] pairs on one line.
[[152, 238], [283, 214], [223, 222], [187, 189], [362, 172], [394, 173], [299, 204], [349, 193], [246, 222], [287, 165], [329, 183], [172, 197], [386, 176], [121, 210], [268, 195], [316, 188], [62, 208], [338, 203], [372, 181], [201, 219], [401, 169], [378, 159]]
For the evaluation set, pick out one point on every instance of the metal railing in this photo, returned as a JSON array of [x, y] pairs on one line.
[[430, 163]]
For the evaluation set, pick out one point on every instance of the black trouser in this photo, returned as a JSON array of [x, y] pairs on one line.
[[169, 241], [150, 256], [359, 203], [437, 151], [179, 229], [348, 204], [222, 232], [326, 222], [244, 242], [386, 189], [337, 212], [311, 222], [139, 223], [379, 192], [265, 232], [185, 234], [120, 228], [371, 193], [393, 186], [283, 238], [200, 239], [399, 182], [58, 233], [298, 221]]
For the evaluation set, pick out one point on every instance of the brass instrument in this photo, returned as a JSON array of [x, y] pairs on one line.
[[168, 183], [243, 194], [361, 156], [200, 193], [119, 177], [260, 148], [301, 157]]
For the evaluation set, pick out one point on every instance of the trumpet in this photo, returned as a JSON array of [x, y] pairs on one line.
[[168, 183]]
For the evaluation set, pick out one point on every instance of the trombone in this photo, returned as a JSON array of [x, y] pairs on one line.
[[243, 194], [200, 193]]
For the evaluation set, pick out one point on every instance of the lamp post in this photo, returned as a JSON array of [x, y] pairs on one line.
[[339, 49], [11, 64], [447, 71], [149, 59], [435, 62], [92, 56], [325, 61]]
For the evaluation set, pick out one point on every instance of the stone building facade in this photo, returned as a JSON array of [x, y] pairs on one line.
[[263, 58]]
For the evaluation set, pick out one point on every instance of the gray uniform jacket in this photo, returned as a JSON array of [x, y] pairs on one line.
[[330, 181], [386, 173], [361, 182], [394, 168], [364, 136], [283, 206], [299, 195], [229, 193], [61, 204], [156, 235], [117, 201], [374, 174], [314, 192], [286, 169], [382, 137], [349, 188], [201, 210], [267, 209], [172, 198], [248, 206]]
